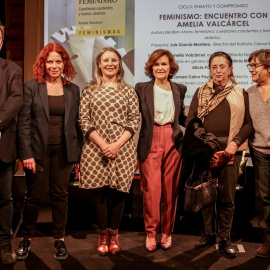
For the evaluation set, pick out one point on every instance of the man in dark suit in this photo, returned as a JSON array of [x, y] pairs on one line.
[[11, 99]]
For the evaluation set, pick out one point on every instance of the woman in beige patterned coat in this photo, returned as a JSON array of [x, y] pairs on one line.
[[109, 117]]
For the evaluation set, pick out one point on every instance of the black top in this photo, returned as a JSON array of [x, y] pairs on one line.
[[34, 120], [222, 112], [57, 112]]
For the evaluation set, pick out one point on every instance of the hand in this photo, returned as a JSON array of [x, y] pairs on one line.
[[105, 148], [230, 149], [30, 164], [111, 151], [214, 159]]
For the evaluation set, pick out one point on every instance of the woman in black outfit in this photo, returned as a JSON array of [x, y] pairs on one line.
[[48, 142]]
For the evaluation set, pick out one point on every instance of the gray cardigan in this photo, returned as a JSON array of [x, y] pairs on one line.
[[259, 112]]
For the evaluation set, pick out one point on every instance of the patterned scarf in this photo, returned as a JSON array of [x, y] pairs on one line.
[[205, 101]]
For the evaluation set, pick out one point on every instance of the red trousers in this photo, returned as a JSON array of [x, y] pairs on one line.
[[160, 174]]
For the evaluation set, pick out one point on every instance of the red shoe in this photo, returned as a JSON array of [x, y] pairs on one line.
[[102, 248], [167, 241], [150, 248], [113, 242], [166, 246]]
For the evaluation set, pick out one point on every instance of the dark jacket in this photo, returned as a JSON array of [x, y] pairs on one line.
[[33, 122], [199, 147], [199, 143], [11, 99], [145, 92]]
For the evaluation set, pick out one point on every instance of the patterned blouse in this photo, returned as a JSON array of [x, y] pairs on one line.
[[110, 112]]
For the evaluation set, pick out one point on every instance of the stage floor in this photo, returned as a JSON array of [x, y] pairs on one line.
[[81, 245], [81, 241]]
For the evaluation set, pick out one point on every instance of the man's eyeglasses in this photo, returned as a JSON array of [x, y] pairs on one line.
[[254, 66]]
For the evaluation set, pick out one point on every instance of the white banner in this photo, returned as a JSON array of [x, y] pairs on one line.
[[192, 32]]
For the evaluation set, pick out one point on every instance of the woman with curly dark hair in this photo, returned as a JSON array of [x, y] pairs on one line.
[[162, 109], [49, 142]]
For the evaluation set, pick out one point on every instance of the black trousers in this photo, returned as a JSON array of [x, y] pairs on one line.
[[6, 208], [55, 173], [109, 205], [261, 163], [218, 216]]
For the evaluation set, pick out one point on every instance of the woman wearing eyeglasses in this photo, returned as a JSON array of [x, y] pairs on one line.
[[259, 100], [222, 107]]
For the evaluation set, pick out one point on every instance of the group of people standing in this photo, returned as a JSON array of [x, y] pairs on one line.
[[56, 127]]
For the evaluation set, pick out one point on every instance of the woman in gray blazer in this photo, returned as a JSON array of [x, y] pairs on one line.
[[49, 142], [162, 110]]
